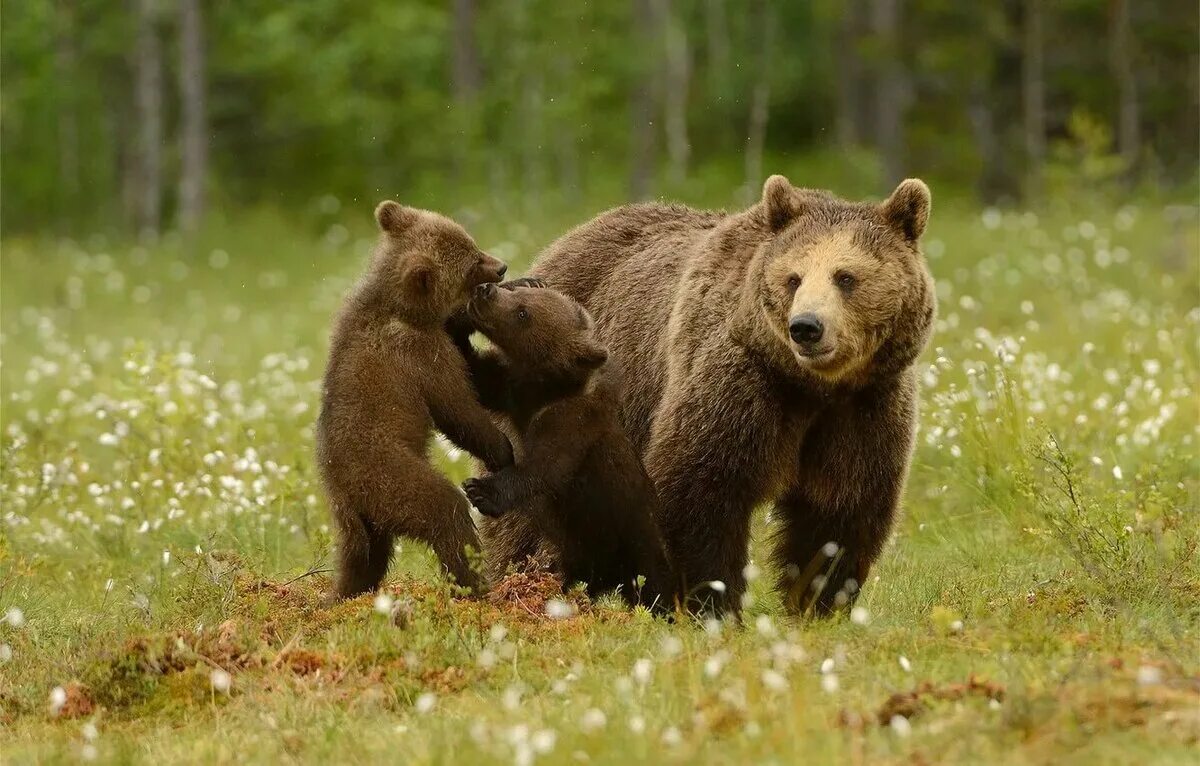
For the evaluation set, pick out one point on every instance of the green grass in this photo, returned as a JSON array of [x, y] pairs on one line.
[[159, 500]]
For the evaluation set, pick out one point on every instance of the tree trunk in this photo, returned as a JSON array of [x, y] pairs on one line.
[[716, 25], [849, 74], [148, 106], [468, 79], [642, 139], [65, 57], [194, 117], [1121, 60], [890, 93], [677, 73], [1033, 94], [760, 99]]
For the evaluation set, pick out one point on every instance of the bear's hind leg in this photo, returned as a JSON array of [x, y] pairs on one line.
[[363, 556], [431, 509]]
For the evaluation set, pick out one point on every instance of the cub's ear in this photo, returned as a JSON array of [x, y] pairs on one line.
[[907, 210], [393, 217], [591, 356], [417, 276], [780, 202]]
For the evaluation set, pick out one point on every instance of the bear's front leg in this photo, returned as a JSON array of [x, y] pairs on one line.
[[711, 467], [838, 514]]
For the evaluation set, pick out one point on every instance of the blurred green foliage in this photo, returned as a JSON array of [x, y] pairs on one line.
[[361, 99]]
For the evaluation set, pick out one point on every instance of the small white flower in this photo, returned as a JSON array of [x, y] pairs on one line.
[[221, 680], [511, 698], [671, 646], [1148, 675], [58, 698], [642, 670], [486, 659], [956, 626], [829, 682], [671, 737], [830, 549], [593, 719], [637, 724], [497, 633], [384, 603], [166, 558], [900, 725], [994, 704], [14, 616], [543, 740], [557, 609], [713, 665], [90, 732], [1117, 473], [6, 653], [88, 752], [425, 703], [904, 663], [859, 615], [717, 585], [764, 626], [751, 572], [827, 665], [774, 680]]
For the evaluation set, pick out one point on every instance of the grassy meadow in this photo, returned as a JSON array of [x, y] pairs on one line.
[[164, 545]]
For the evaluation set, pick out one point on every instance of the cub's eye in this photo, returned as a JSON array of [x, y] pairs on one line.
[[845, 281], [793, 282], [522, 314]]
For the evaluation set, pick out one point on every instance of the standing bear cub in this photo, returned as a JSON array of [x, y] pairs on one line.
[[394, 375], [578, 486]]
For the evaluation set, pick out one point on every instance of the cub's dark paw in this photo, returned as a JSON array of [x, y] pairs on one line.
[[523, 282], [479, 492]]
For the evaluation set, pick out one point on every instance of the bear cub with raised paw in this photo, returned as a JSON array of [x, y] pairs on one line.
[[393, 375], [578, 488]]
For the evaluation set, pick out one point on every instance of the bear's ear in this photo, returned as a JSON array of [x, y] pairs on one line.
[[590, 356], [780, 202], [417, 276], [907, 210], [394, 218]]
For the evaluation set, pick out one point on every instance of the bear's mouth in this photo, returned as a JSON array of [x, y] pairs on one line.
[[814, 353]]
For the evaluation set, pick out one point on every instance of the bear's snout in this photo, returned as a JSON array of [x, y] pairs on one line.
[[806, 329]]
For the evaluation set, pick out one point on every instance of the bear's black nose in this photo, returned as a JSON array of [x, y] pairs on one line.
[[806, 328], [500, 271], [485, 291]]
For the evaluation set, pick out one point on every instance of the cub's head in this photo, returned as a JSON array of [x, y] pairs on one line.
[[426, 265], [842, 285], [543, 332]]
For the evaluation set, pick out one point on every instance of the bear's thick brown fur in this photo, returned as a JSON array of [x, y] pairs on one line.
[[578, 493], [393, 375], [769, 358]]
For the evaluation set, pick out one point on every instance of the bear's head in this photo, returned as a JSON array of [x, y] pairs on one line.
[[425, 265], [841, 286], [545, 334]]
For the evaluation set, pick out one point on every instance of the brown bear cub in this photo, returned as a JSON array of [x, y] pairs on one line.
[[578, 487], [394, 375]]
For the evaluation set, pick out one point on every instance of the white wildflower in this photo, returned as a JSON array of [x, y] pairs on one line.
[[220, 680]]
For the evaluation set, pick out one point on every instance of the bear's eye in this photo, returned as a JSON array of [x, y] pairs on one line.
[[522, 314], [845, 280], [793, 282]]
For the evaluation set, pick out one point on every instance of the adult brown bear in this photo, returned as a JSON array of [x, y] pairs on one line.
[[769, 358]]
